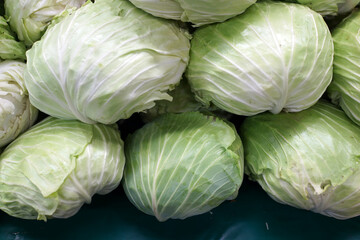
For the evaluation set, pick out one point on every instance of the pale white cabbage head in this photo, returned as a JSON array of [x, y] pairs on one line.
[[30, 18], [309, 160], [58, 165], [104, 62], [16, 112], [276, 56], [198, 12]]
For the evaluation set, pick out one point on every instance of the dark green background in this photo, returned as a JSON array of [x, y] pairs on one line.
[[114, 217]]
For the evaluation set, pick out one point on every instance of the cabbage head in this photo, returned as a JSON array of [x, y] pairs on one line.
[[345, 87], [58, 165], [309, 159], [329, 7], [10, 48], [30, 18], [104, 62], [199, 12], [16, 112], [180, 165], [276, 56], [183, 100]]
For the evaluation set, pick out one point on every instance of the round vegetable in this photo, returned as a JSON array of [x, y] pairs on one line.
[[345, 87], [30, 18], [329, 7], [276, 56], [16, 112], [182, 165], [198, 12], [183, 100], [10, 49], [118, 62], [54, 168], [309, 160]]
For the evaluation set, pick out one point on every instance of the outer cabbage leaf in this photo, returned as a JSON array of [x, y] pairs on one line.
[[29, 18], [276, 56], [118, 62], [54, 168], [10, 49], [182, 165], [198, 12], [345, 87], [308, 160], [16, 112]]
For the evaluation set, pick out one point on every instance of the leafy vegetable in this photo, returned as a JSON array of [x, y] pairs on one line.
[[10, 49], [345, 87], [308, 160], [30, 18], [182, 165], [118, 62], [198, 12], [54, 168], [276, 56], [329, 7], [16, 112], [183, 101], [347, 5]]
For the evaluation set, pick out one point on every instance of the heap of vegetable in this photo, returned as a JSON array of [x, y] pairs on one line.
[[88, 66]]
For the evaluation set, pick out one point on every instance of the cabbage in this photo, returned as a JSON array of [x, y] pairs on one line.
[[329, 7], [182, 165], [183, 100], [104, 62], [10, 49], [345, 87], [29, 18], [347, 5], [309, 160], [54, 168], [198, 12], [16, 112], [276, 56]]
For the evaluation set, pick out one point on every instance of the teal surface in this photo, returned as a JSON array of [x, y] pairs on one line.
[[253, 215]]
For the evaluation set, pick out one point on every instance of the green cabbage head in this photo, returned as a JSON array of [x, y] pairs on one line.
[[105, 61], [345, 87], [58, 165], [10, 49], [180, 165], [30, 18], [16, 112], [276, 56], [183, 100], [198, 12], [329, 7], [309, 159]]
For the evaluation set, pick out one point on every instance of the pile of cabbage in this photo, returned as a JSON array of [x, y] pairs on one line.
[[75, 73]]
